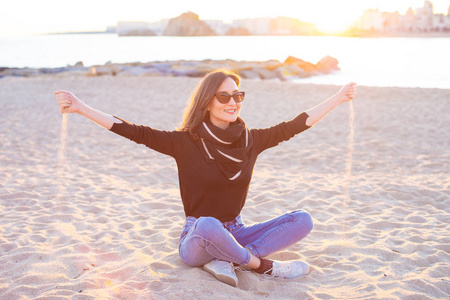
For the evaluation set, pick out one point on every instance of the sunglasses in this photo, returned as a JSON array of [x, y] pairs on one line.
[[225, 98]]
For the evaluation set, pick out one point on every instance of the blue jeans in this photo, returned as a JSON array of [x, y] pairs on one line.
[[206, 238]]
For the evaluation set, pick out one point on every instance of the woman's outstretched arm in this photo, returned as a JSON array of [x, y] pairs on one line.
[[346, 93], [68, 103]]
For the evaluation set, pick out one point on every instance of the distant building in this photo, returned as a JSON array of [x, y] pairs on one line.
[[124, 27], [391, 21], [421, 20], [158, 27], [218, 26], [111, 29], [424, 17], [257, 26], [290, 26], [371, 20]]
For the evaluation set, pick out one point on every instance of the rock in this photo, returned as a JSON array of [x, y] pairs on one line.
[[245, 65], [102, 70], [267, 70], [249, 74], [272, 64], [327, 65], [52, 71], [140, 71], [237, 31], [289, 70], [15, 72], [188, 24], [306, 66], [162, 67], [190, 69], [266, 74]]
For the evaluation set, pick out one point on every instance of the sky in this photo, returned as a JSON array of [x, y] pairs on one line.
[[22, 17]]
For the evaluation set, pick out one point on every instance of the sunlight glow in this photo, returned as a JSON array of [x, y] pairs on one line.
[[332, 26], [84, 15], [328, 16]]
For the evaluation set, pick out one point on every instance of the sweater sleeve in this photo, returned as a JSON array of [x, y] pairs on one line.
[[161, 141], [270, 137]]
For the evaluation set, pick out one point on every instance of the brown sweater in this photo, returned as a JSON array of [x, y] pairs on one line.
[[205, 191]]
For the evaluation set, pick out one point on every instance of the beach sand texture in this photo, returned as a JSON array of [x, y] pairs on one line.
[[108, 228]]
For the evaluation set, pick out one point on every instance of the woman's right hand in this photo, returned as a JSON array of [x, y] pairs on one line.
[[68, 103]]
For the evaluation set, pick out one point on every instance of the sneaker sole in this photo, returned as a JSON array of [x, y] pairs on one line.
[[226, 279]]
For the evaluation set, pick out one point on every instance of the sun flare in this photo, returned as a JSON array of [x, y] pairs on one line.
[[331, 18], [332, 26]]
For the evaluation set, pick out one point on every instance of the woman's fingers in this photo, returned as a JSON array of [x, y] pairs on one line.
[[63, 97], [349, 91], [63, 94], [351, 85], [64, 101]]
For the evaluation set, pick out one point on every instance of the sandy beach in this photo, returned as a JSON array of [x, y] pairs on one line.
[[103, 220]]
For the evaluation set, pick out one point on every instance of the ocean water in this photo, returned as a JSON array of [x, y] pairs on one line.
[[404, 62]]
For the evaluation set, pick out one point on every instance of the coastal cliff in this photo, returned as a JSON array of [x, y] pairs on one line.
[[188, 24]]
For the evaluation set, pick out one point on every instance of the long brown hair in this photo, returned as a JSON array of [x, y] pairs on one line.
[[196, 110]]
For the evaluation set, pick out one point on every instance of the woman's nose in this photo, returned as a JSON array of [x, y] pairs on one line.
[[231, 102]]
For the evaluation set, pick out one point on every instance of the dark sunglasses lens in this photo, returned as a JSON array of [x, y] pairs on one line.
[[223, 98], [238, 97]]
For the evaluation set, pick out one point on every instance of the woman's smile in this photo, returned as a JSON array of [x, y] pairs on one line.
[[231, 111]]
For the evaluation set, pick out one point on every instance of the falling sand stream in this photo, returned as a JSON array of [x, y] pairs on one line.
[[348, 169], [61, 160]]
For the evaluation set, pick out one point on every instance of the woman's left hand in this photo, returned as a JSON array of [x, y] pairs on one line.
[[347, 92]]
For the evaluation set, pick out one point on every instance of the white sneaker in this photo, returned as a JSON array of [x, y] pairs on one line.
[[223, 271], [288, 269]]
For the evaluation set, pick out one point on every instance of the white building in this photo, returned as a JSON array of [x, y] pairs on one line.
[[218, 26], [124, 27], [422, 20], [158, 27], [111, 29], [372, 20], [424, 17], [258, 26]]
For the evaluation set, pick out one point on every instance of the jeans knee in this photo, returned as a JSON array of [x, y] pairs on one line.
[[207, 226], [304, 221]]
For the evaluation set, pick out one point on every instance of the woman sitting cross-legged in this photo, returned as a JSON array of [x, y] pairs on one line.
[[215, 154]]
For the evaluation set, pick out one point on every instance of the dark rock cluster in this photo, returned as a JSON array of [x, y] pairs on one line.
[[291, 68]]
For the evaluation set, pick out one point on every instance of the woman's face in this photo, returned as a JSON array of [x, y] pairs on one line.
[[220, 114]]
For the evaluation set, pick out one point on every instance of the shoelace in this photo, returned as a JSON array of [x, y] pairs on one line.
[[242, 269], [245, 270], [268, 275]]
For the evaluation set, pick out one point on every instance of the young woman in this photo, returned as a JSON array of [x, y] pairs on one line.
[[215, 154]]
